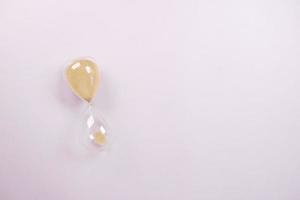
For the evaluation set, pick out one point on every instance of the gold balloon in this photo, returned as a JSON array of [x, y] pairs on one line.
[[83, 78]]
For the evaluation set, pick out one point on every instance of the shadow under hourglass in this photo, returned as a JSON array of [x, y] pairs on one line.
[[65, 95]]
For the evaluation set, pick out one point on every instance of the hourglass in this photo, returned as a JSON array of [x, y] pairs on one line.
[[83, 78]]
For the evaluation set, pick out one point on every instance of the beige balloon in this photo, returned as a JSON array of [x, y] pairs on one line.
[[83, 78]]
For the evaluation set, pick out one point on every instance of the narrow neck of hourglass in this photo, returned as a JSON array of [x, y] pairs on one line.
[[89, 108]]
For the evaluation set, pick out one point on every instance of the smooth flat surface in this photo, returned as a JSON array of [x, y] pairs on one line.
[[202, 99]]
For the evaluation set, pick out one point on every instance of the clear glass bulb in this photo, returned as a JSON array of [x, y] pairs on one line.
[[96, 133]]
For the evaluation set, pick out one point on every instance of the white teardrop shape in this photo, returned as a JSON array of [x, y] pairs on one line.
[[96, 135]]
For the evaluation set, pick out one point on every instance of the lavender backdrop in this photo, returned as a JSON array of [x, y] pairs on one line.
[[202, 99]]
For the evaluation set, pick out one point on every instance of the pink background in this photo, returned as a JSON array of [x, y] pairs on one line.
[[202, 99]]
